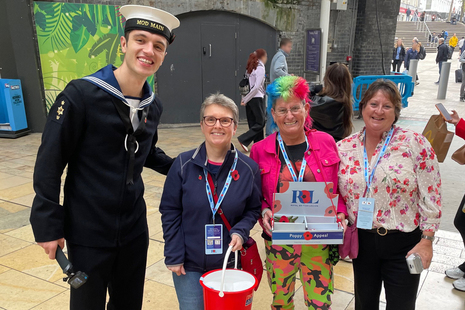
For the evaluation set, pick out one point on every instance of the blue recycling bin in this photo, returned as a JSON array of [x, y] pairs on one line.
[[13, 123]]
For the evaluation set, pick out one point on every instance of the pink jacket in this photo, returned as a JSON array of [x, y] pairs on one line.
[[264, 153]]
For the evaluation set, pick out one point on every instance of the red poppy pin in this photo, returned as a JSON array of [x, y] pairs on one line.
[[200, 177], [308, 235], [235, 175]]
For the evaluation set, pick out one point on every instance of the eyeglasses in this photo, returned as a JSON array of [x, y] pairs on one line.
[[294, 110], [210, 121]]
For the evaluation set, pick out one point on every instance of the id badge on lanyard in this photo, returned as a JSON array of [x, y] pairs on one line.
[[366, 206], [213, 239], [366, 210]]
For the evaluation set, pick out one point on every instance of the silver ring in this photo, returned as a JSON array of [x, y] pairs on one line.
[[126, 144]]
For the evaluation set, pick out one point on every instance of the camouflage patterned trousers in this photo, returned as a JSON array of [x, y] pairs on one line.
[[284, 261]]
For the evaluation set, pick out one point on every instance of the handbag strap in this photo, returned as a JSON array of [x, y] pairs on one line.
[[324, 178]]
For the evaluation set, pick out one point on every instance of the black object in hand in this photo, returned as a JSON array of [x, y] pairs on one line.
[[76, 280]]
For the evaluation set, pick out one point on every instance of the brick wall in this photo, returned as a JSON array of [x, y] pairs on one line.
[[367, 50], [341, 33]]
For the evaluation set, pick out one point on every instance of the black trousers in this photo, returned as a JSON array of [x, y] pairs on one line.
[[459, 223], [381, 259], [255, 110], [119, 270], [396, 65]]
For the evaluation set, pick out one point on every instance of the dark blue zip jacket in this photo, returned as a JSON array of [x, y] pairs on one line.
[[185, 208]]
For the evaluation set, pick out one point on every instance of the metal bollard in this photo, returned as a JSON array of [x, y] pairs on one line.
[[412, 69], [443, 80]]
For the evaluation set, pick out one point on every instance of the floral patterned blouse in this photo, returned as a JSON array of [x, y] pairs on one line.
[[406, 185]]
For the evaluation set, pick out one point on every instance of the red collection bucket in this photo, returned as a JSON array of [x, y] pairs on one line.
[[228, 289]]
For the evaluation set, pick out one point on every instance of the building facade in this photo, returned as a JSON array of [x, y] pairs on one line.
[[441, 6], [210, 51]]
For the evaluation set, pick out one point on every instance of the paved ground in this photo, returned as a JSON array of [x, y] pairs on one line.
[[28, 280]]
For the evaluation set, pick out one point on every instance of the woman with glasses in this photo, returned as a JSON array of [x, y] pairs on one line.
[[201, 184], [295, 153]]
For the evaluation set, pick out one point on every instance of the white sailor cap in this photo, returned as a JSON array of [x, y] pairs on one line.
[[150, 19]]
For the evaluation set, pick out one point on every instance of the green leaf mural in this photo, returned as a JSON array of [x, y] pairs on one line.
[[109, 43], [79, 38], [76, 40]]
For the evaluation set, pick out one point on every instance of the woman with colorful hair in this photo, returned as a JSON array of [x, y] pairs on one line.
[[331, 110], [253, 101], [295, 150]]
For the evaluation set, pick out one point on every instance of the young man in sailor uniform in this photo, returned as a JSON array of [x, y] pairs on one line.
[[104, 128]]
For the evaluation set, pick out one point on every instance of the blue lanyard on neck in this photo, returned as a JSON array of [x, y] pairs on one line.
[[369, 178], [288, 162], [214, 207]]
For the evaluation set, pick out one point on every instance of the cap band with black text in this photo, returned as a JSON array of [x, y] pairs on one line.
[[151, 26]]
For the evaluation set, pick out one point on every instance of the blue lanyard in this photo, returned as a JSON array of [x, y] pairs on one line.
[[214, 207], [288, 162], [369, 178]]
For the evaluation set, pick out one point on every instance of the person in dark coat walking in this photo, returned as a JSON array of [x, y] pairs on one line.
[[441, 56], [411, 53], [103, 127], [189, 211], [420, 56], [398, 55]]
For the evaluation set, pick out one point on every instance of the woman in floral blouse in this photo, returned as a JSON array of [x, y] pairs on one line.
[[404, 182]]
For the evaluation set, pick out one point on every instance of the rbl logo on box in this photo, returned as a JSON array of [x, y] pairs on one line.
[[303, 197]]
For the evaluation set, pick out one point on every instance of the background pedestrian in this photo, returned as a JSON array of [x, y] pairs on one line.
[[398, 55], [278, 68], [253, 101], [331, 109], [462, 66], [453, 41], [441, 56]]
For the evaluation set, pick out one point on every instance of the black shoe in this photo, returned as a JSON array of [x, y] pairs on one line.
[[245, 148], [462, 99], [436, 82]]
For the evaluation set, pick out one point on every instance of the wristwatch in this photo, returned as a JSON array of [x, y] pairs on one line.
[[428, 238]]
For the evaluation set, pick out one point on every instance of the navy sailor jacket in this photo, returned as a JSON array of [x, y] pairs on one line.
[[85, 133]]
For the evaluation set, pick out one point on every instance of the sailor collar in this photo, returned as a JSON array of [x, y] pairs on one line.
[[105, 79]]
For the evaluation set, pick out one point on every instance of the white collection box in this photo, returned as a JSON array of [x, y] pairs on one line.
[[304, 214]]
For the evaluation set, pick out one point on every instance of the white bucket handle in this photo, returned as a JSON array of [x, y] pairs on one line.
[[225, 263]]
